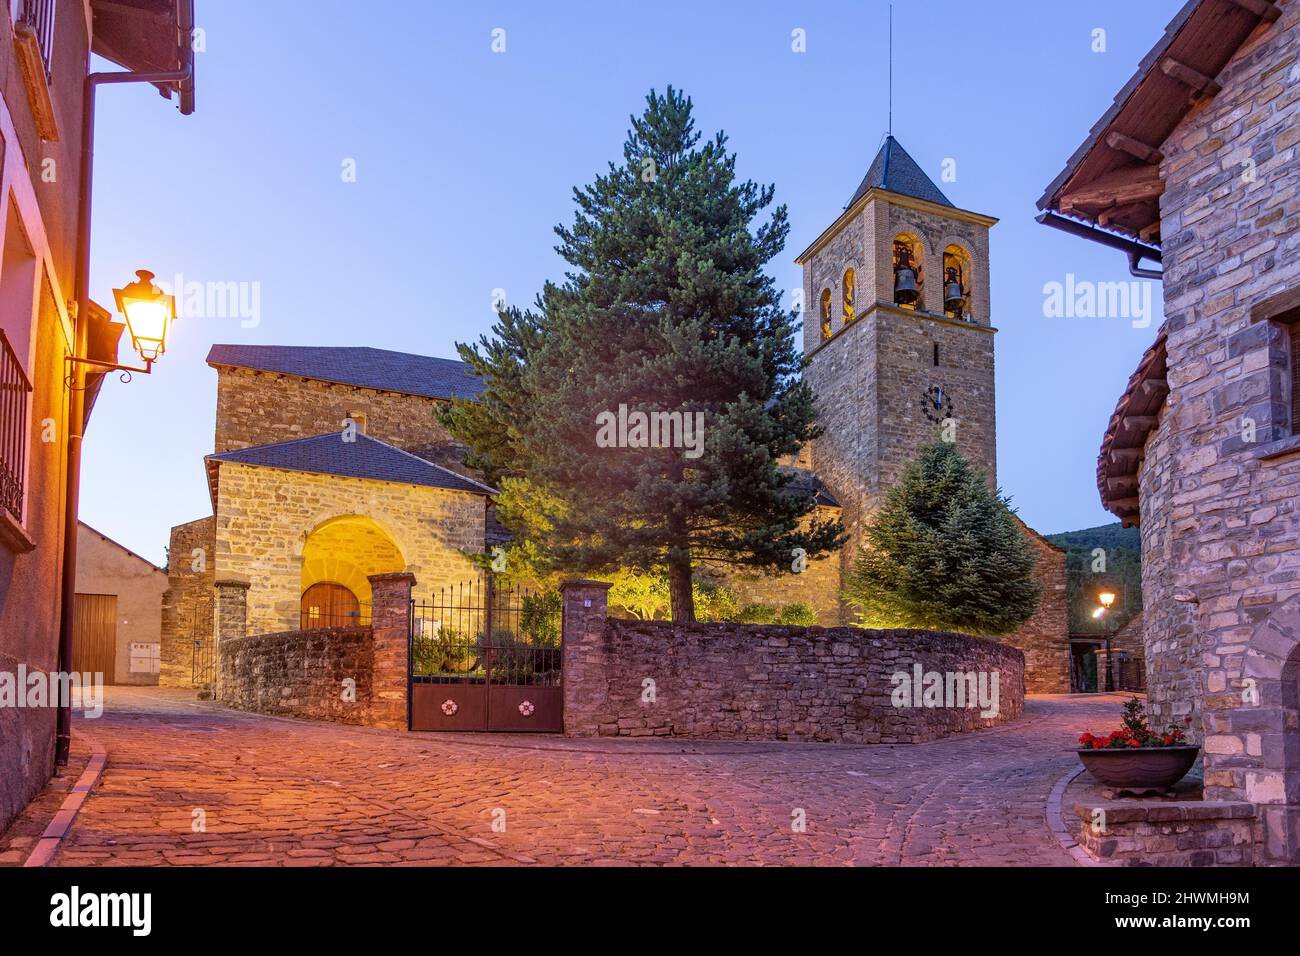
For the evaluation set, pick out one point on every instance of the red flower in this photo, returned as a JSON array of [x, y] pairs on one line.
[[1169, 738], [1134, 743]]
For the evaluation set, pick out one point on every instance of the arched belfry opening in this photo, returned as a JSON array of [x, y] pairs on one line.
[[957, 276], [909, 272]]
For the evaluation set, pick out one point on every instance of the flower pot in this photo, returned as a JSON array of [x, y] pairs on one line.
[[1135, 768]]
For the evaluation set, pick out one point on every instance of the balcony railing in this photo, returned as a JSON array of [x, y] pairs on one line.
[[38, 17], [14, 389]]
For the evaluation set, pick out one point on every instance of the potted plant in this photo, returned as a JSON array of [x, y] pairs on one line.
[[1135, 757]]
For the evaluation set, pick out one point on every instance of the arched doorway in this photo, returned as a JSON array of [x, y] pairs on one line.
[[329, 604], [338, 557]]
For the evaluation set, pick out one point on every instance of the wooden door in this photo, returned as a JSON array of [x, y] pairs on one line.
[[329, 605], [94, 635]]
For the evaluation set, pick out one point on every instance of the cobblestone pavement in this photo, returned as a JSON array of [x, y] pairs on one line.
[[280, 792]]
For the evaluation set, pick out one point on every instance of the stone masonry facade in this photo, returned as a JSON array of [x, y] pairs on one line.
[[765, 682], [265, 516], [1221, 530], [256, 408], [873, 377], [187, 602]]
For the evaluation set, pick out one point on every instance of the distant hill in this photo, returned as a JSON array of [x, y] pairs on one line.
[[1103, 536], [1122, 573]]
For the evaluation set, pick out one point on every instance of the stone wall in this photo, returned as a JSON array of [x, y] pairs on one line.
[[266, 517], [256, 408], [300, 674], [1230, 219], [187, 602], [349, 675], [1172, 652], [818, 584], [1045, 638], [754, 682], [1169, 833]]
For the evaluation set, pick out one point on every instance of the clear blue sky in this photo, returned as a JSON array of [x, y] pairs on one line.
[[465, 160]]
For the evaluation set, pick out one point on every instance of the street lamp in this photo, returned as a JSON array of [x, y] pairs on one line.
[[149, 313], [1106, 599]]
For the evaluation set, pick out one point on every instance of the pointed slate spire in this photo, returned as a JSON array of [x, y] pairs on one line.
[[895, 170]]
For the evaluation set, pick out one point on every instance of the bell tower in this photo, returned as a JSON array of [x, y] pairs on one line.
[[899, 334]]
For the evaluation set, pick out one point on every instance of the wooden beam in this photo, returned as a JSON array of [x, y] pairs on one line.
[[1128, 184], [1123, 504], [1263, 9], [1140, 423], [1280, 307], [1155, 388], [1199, 82], [1123, 483], [1134, 147], [1121, 456], [1151, 232], [1121, 216]]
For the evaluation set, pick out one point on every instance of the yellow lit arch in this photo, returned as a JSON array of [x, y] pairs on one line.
[[346, 550]]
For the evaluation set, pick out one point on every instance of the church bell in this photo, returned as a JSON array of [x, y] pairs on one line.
[[954, 300], [905, 290]]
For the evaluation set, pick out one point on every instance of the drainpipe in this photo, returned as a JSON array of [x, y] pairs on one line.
[[80, 333], [1136, 251]]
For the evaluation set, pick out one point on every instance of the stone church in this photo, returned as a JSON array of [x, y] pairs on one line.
[[900, 340]]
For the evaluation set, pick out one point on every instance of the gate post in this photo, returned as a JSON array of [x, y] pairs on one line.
[[585, 605], [390, 622], [230, 620]]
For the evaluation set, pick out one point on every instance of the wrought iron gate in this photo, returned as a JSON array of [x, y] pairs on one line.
[[484, 657]]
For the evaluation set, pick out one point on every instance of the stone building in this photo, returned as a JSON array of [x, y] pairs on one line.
[[298, 512], [899, 338], [119, 595], [324, 472], [45, 55], [1195, 167]]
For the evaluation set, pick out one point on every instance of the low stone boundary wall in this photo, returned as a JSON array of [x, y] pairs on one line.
[[301, 674], [769, 682], [1169, 833]]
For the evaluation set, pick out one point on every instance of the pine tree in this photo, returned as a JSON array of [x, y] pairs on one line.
[[944, 553], [665, 308]]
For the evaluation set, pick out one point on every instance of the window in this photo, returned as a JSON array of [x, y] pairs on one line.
[[36, 19], [847, 301], [17, 308], [936, 354], [826, 314], [1294, 331]]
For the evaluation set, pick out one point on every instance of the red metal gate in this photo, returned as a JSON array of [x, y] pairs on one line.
[[486, 658]]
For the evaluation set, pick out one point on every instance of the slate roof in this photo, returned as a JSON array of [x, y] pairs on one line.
[[894, 169], [806, 482], [365, 367], [364, 458]]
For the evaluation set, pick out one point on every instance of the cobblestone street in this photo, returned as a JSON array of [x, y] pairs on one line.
[[279, 792]]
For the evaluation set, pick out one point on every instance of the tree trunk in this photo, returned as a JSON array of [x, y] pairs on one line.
[[680, 594]]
